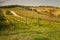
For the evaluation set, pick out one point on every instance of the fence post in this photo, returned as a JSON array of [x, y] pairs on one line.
[[26, 20], [39, 24]]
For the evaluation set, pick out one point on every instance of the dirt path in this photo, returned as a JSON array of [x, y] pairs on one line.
[[15, 14]]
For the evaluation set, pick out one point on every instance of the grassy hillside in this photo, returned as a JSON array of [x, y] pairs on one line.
[[29, 23]]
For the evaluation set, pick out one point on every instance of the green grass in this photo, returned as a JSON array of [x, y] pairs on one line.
[[29, 30]]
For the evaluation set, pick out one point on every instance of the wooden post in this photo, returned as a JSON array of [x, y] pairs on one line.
[[39, 24], [26, 20]]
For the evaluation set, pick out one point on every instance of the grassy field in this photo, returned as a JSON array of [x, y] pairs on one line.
[[28, 25]]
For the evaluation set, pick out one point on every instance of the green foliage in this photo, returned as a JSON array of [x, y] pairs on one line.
[[8, 12], [2, 16], [4, 23]]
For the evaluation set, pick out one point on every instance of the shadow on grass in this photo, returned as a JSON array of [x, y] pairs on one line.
[[41, 38]]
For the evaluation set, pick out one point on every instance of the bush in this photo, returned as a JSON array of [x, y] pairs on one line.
[[4, 23], [8, 12]]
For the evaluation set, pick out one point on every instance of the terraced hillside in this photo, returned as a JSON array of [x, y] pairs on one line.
[[29, 23]]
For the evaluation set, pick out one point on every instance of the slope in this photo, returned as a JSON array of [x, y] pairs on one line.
[[23, 23]]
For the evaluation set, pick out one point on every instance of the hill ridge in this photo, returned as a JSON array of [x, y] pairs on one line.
[[10, 6]]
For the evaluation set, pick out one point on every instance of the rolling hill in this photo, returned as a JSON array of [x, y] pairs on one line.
[[29, 22]]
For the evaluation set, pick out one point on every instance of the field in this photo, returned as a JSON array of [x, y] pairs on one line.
[[23, 23]]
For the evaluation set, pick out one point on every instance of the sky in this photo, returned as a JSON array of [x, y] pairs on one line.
[[34, 2]]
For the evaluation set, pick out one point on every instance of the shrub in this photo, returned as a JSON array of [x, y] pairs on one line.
[[8, 12]]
